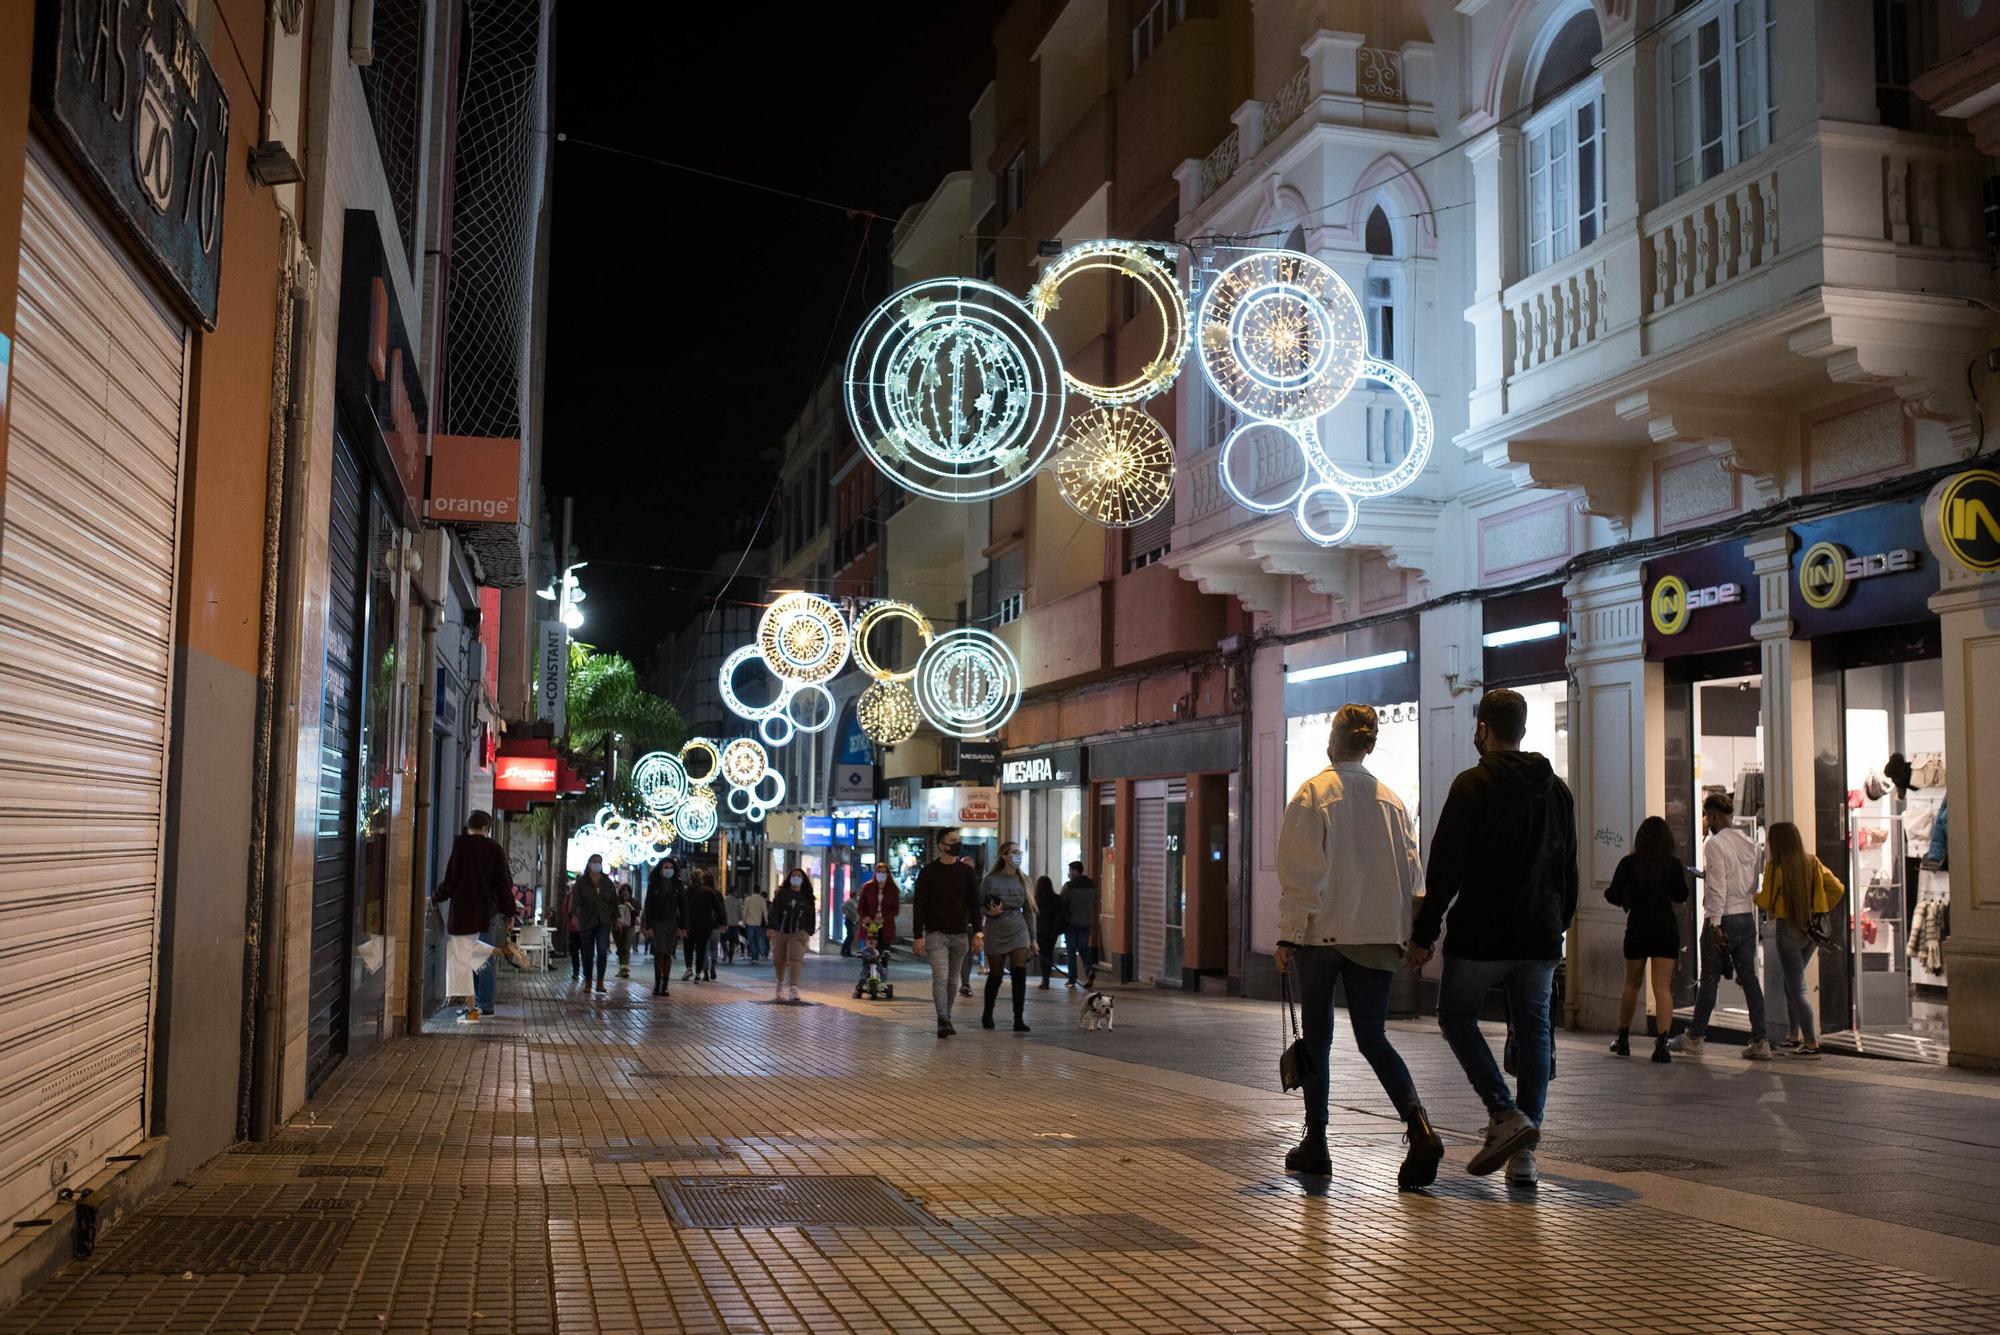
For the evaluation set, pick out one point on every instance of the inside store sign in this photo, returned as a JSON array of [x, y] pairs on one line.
[[1673, 602], [1828, 572]]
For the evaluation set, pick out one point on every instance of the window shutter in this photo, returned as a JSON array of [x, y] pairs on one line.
[[1151, 538], [982, 596]]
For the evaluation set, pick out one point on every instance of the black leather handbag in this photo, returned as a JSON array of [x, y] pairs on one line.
[[1295, 1063]]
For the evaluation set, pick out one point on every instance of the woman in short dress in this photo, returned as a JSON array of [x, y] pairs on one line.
[[1648, 883]]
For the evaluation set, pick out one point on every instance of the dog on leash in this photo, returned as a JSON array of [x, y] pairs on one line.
[[1096, 1012]]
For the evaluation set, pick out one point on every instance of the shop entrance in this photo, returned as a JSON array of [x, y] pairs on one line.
[[1878, 707], [1715, 743]]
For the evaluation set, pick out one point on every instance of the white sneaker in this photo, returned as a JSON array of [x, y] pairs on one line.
[[1760, 1051], [1521, 1170], [780, 994], [795, 994], [1505, 1137], [1686, 1045]]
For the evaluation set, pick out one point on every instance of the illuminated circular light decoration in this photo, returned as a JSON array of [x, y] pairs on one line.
[[710, 760], [888, 713], [739, 801], [1116, 466], [1283, 340], [828, 710], [662, 782], [698, 816], [1155, 279], [743, 763], [968, 683], [954, 389], [803, 639], [878, 614], [776, 730], [771, 782], [726, 684]]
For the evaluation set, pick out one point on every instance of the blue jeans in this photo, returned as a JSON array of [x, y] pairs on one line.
[[1795, 948], [590, 944], [1464, 991], [1081, 964], [759, 945], [1367, 1013], [1739, 942], [484, 977]]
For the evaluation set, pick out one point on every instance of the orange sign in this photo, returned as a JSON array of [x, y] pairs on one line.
[[474, 480], [525, 774]]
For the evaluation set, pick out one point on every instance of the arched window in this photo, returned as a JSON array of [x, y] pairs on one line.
[[1377, 237], [1380, 289], [1563, 142]]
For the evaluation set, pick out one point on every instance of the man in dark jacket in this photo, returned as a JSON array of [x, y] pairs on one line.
[[944, 917], [478, 886], [1504, 863], [1079, 894]]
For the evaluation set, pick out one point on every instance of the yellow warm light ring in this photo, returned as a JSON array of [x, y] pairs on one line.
[[744, 763], [703, 747], [876, 614], [803, 638], [1143, 267]]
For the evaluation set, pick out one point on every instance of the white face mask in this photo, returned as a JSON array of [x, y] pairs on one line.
[[798, 880]]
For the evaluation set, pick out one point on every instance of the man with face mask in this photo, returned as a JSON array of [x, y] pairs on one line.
[[944, 917], [1504, 863]]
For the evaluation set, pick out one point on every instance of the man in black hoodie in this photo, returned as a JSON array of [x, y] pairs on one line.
[[1503, 861]]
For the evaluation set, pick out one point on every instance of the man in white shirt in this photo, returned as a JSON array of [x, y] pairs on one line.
[[1347, 876], [1731, 867]]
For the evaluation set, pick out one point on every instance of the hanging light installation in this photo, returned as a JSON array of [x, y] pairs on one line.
[[887, 712], [1116, 467], [968, 683]]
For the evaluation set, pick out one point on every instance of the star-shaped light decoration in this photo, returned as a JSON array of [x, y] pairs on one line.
[[1012, 461], [1215, 337], [984, 403], [917, 309], [891, 447]]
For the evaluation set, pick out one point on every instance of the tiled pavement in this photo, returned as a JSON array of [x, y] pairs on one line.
[[504, 1179]]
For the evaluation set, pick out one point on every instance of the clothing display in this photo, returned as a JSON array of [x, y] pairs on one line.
[[1928, 931], [1750, 792]]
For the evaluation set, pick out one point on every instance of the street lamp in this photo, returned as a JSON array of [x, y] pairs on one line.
[[566, 597]]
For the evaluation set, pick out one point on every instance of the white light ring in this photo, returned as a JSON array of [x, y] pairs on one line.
[[941, 675], [1001, 456], [1229, 483], [1324, 538], [796, 618], [777, 782], [740, 801], [1410, 467], [660, 849], [826, 716], [743, 762], [782, 734], [1156, 280], [1238, 292], [1116, 467], [606, 810], [700, 746], [662, 782], [888, 713], [755, 814], [865, 624], [698, 822], [726, 683]]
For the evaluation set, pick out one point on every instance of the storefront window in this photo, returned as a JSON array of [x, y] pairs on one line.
[[1548, 723], [1394, 762]]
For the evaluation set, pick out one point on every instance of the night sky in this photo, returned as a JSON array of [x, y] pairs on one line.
[[689, 316]]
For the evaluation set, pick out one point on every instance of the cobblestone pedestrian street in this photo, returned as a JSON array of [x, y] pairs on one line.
[[562, 1166]]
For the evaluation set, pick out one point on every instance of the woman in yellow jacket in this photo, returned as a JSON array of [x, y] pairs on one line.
[[1785, 897]]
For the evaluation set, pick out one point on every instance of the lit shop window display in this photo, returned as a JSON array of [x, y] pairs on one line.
[[968, 683], [1116, 466], [955, 389], [1155, 280], [803, 639]]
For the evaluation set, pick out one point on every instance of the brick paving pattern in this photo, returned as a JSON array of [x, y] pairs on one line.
[[519, 1177]]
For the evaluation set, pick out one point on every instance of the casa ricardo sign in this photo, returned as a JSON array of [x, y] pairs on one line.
[[128, 89]]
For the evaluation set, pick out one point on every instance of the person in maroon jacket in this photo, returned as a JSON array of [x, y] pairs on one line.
[[478, 887], [879, 903]]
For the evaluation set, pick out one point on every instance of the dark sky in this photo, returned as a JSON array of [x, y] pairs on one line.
[[688, 315]]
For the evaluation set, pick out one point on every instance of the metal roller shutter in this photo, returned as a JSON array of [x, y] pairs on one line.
[[1149, 884], [87, 562]]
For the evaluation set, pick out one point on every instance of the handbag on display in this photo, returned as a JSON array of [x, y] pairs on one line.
[[1295, 1063]]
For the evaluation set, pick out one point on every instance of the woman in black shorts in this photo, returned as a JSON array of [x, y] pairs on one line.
[[1648, 883]]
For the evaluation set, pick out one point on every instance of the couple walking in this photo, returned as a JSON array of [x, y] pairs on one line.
[[1502, 878]]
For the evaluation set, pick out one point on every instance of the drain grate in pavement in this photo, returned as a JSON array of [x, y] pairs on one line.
[[789, 1202], [1642, 1163], [229, 1245], [663, 1152], [340, 1170]]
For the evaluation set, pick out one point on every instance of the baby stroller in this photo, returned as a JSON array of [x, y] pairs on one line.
[[874, 981]]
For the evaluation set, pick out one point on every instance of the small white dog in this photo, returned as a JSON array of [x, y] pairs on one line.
[[1096, 1011]]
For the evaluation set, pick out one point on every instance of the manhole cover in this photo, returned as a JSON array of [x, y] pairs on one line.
[[340, 1170], [790, 1202], [228, 1245], [1644, 1163], [662, 1152]]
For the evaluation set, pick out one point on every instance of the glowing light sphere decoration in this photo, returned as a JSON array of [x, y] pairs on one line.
[[743, 763], [1283, 340], [888, 713], [954, 389], [1116, 466], [698, 816], [726, 685], [1156, 281], [662, 782], [701, 751], [879, 614], [803, 639], [968, 682]]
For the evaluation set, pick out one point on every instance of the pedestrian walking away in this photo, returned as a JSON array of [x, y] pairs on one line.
[[596, 908], [1731, 867], [1079, 895], [1503, 862], [793, 914], [1347, 878], [1008, 909], [705, 913], [1800, 893], [732, 928], [624, 927], [478, 889], [944, 918], [1049, 925], [756, 909], [662, 917], [1647, 883]]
